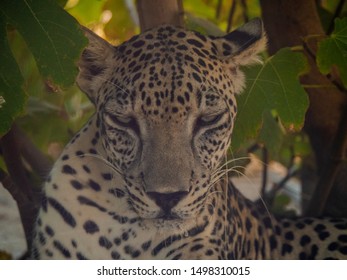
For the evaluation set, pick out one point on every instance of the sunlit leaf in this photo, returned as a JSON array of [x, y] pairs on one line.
[[273, 85], [52, 35], [11, 93], [333, 50]]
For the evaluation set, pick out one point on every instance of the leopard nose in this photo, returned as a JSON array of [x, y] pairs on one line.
[[167, 201]]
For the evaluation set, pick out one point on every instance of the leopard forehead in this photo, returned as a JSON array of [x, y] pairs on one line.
[[169, 72]]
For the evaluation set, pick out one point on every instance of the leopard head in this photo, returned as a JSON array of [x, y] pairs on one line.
[[165, 105]]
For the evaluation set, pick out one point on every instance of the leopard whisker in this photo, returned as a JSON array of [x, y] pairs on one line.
[[102, 159], [232, 161], [234, 169]]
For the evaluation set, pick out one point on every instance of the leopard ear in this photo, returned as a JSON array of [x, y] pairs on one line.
[[93, 64], [243, 45]]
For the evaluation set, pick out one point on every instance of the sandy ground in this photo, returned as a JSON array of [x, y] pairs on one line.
[[12, 238]]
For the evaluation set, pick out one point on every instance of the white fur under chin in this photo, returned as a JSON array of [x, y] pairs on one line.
[[164, 227]]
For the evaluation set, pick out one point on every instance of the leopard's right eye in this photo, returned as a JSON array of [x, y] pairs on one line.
[[127, 122]]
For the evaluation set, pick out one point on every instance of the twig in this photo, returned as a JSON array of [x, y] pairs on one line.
[[265, 163], [218, 9], [231, 15], [337, 84], [337, 12], [270, 196], [245, 10], [291, 173]]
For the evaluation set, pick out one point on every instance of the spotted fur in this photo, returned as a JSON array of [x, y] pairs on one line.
[[142, 179]]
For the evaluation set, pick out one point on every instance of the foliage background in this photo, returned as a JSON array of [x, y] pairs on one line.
[[57, 101]]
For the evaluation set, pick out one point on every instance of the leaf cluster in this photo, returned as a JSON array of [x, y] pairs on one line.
[[53, 37]]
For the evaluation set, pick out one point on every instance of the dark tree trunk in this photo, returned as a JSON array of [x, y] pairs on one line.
[[153, 13], [292, 23]]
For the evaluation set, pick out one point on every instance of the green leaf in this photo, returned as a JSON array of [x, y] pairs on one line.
[[271, 134], [52, 35], [333, 50], [280, 203], [12, 95], [273, 85]]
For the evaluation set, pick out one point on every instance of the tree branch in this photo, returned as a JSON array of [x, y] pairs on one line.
[[18, 182], [38, 161], [14, 163], [153, 13], [244, 10]]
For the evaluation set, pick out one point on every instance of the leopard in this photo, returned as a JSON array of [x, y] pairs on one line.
[[145, 179]]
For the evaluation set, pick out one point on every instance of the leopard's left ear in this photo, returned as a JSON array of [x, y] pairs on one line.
[[93, 64], [243, 45]]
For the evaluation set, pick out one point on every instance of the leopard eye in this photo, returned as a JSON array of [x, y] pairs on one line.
[[208, 120], [124, 121]]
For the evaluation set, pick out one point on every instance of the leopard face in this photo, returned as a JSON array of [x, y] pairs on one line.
[[166, 106]]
